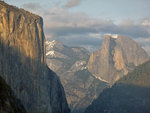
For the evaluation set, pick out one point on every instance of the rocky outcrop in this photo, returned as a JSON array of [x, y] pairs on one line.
[[23, 63], [70, 63], [117, 56], [131, 94], [8, 102]]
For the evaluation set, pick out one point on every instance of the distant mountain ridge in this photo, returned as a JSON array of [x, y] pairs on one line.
[[117, 56], [131, 94], [82, 75], [78, 71], [70, 63], [64, 56]]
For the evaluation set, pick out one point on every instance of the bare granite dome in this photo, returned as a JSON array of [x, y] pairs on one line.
[[116, 57]]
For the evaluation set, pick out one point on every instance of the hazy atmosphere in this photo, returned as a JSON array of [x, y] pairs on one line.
[[84, 22], [74, 56]]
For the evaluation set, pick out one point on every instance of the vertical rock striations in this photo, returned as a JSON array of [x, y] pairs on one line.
[[116, 57], [23, 63]]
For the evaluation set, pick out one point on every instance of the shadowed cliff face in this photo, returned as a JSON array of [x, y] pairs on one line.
[[8, 103], [23, 63], [131, 94], [116, 57], [122, 99]]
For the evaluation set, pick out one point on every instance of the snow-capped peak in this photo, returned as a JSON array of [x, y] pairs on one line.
[[54, 41], [50, 44], [113, 35]]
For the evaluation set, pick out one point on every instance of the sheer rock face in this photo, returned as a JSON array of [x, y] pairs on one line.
[[116, 57], [23, 63], [70, 63], [8, 103]]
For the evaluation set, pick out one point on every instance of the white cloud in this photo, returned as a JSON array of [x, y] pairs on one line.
[[72, 3], [32, 6], [78, 29], [59, 21], [95, 35], [146, 23]]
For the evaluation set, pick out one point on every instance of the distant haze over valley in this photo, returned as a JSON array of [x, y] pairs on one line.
[[77, 57], [85, 75]]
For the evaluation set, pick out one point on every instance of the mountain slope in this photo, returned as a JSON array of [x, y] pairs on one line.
[[69, 63], [8, 103], [23, 62], [60, 57], [81, 89], [131, 94], [117, 56]]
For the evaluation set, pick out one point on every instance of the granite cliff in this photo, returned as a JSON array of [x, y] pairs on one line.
[[23, 62], [70, 63], [117, 56], [8, 102], [131, 94]]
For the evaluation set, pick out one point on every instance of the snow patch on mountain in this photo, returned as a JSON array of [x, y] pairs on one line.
[[51, 53], [50, 44], [113, 35], [54, 54]]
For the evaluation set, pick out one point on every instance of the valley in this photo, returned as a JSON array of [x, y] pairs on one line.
[[41, 75]]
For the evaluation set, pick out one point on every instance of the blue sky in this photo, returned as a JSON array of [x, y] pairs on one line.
[[84, 22], [106, 9]]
